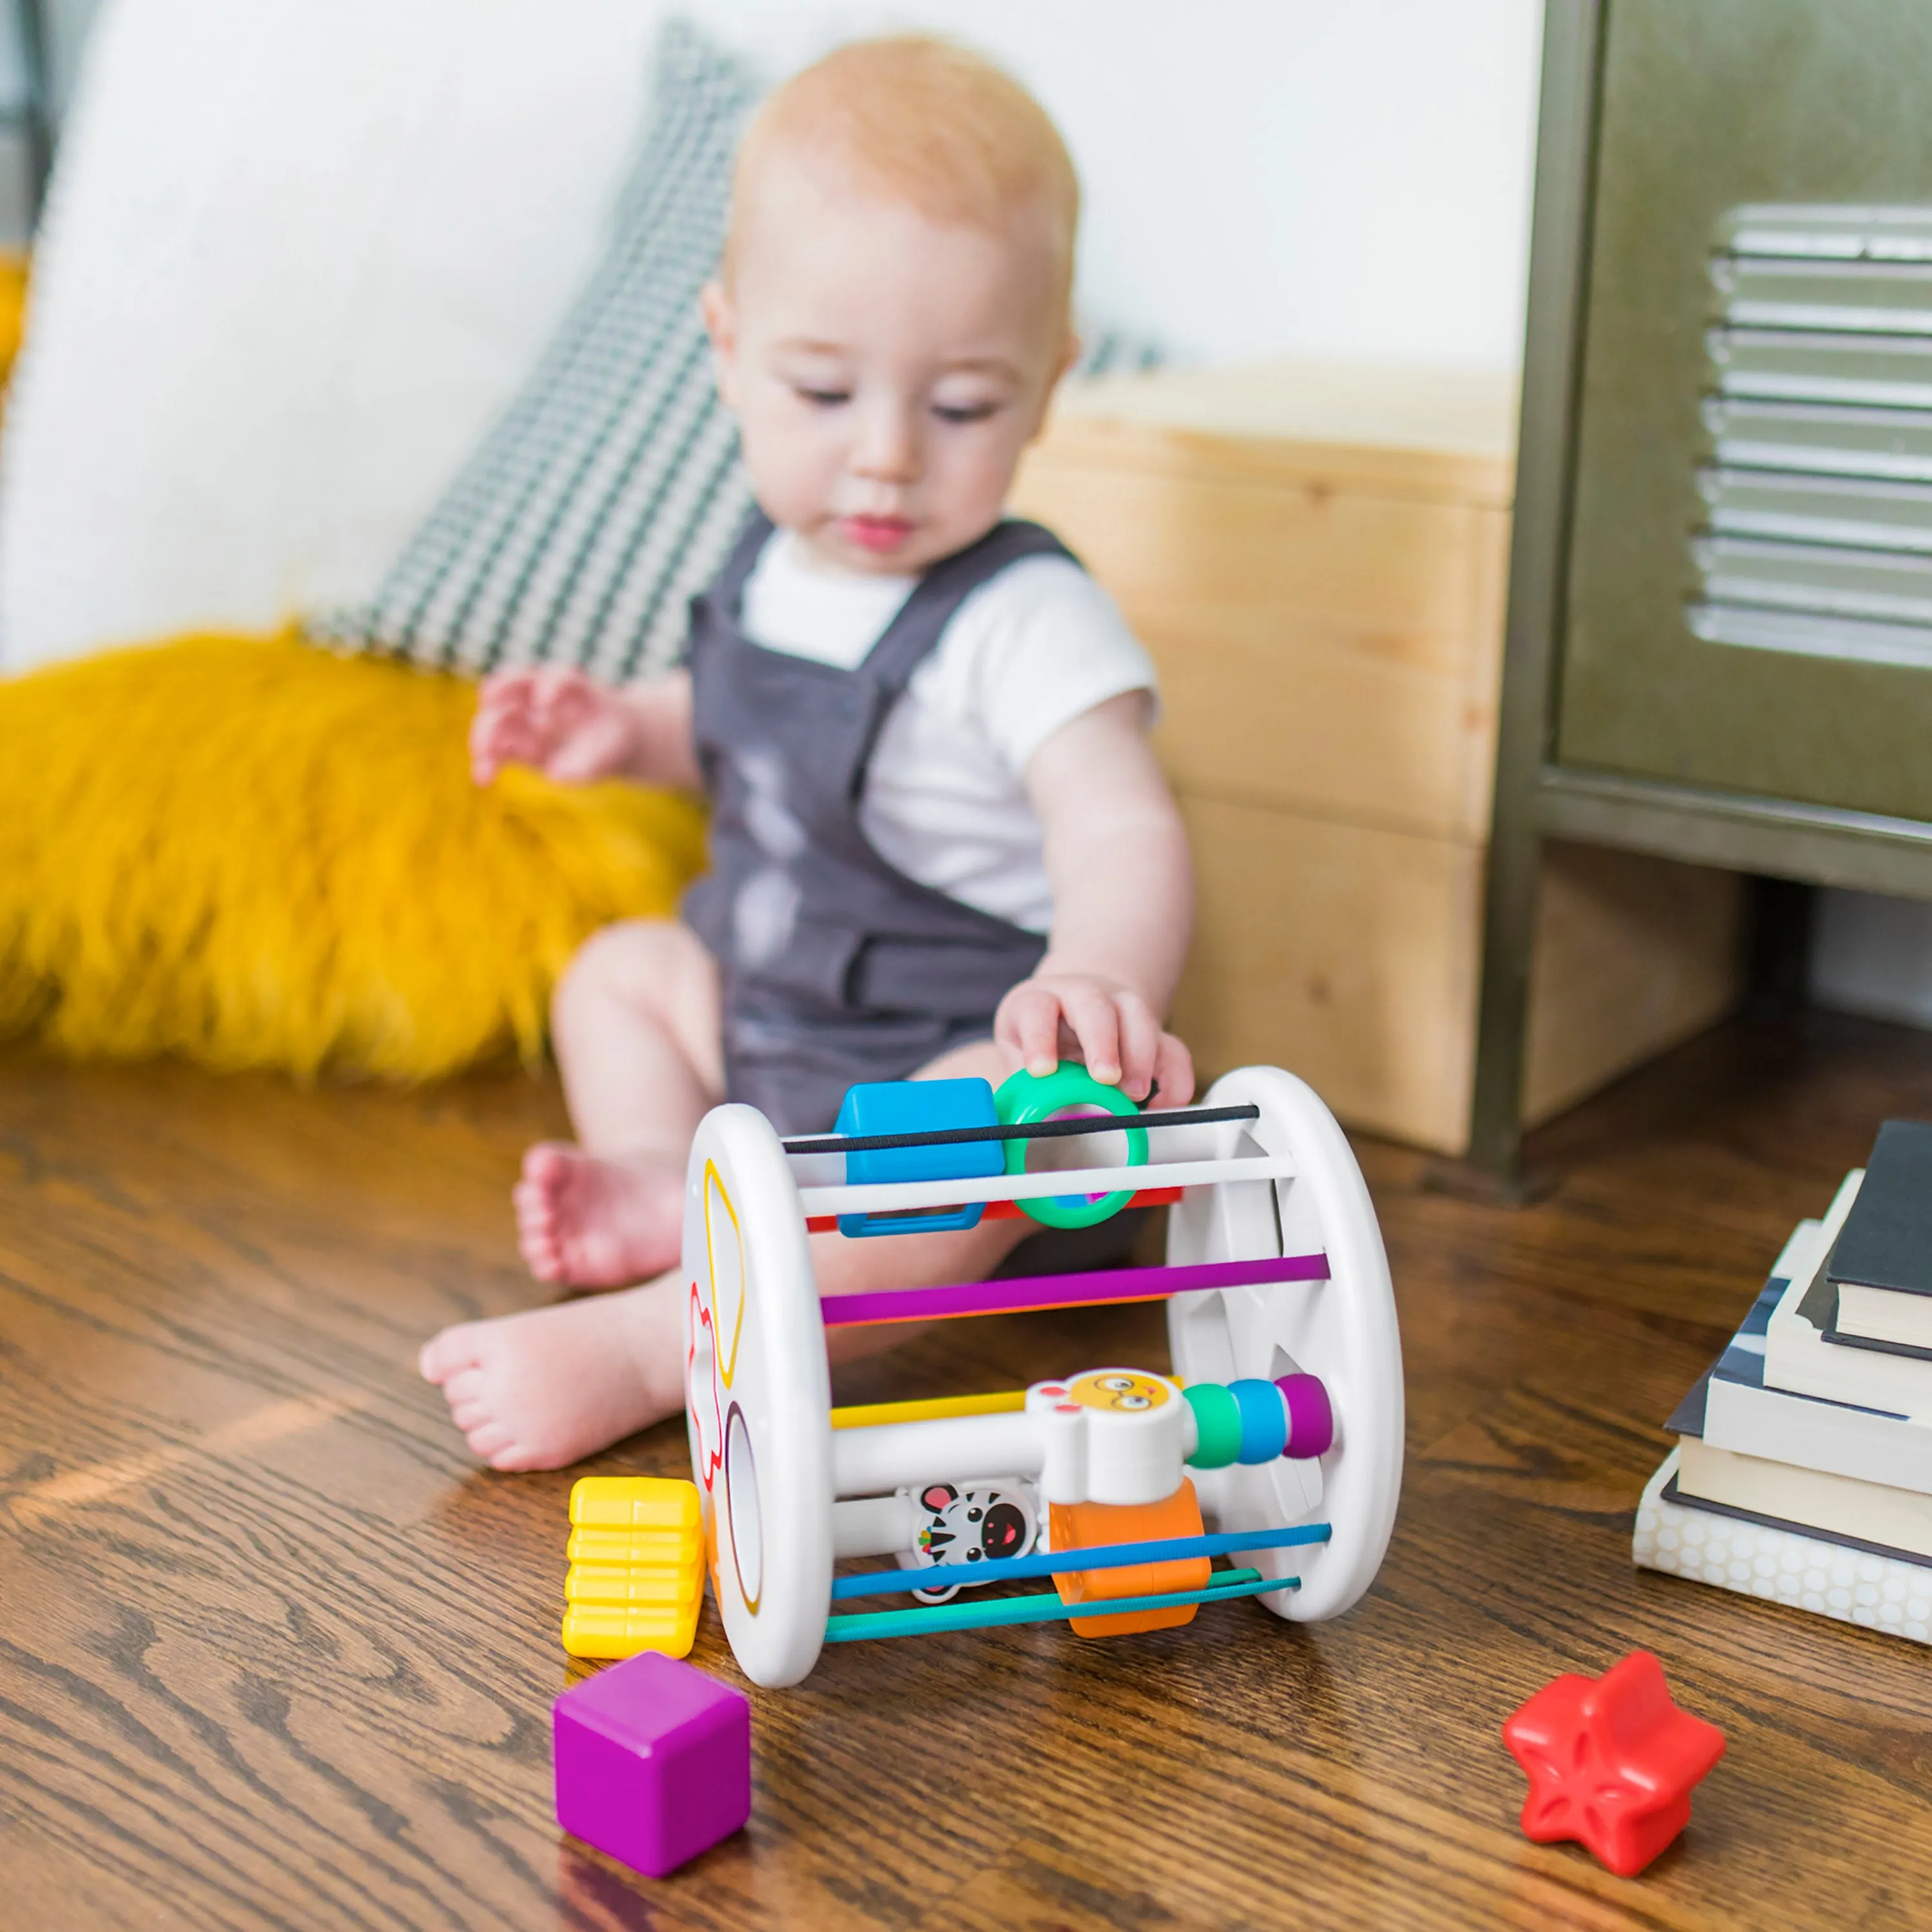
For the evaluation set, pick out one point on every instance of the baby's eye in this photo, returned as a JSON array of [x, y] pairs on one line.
[[823, 399], [963, 412]]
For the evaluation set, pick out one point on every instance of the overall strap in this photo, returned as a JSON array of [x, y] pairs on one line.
[[727, 589], [922, 620]]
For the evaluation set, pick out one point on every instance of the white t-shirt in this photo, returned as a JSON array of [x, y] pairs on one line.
[[1029, 650]]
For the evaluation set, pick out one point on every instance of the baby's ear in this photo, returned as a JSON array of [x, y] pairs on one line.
[[1069, 354]]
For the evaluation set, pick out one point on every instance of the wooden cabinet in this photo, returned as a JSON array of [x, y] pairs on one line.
[[1316, 557]]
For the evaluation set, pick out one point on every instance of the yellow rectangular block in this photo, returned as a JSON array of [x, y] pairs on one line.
[[635, 1502], [591, 1545], [637, 1567], [612, 1583], [594, 1630]]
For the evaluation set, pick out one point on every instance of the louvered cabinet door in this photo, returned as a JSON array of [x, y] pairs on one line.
[[1750, 590]]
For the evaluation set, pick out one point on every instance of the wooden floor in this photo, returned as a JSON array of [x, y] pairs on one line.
[[273, 1653]]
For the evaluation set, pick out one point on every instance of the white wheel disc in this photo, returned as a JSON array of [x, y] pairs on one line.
[[1342, 1330], [758, 1397]]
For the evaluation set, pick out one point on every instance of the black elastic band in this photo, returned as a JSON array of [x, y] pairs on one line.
[[1032, 1130]]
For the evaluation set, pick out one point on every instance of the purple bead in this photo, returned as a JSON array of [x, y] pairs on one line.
[[1311, 1421], [653, 1762]]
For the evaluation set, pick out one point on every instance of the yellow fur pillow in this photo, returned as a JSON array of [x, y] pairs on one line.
[[250, 853]]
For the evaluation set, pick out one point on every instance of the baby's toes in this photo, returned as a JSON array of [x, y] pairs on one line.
[[471, 1415], [543, 1256], [535, 1207], [449, 1353], [548, 1167], [491, 1442]]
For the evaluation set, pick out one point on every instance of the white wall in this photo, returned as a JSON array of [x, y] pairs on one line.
[[1337, 178]]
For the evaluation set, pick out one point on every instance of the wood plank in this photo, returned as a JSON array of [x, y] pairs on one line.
[[1447, 435], [273, 1655], [1633, 954], [1344, 952], [1352, 955], [1318, 647]]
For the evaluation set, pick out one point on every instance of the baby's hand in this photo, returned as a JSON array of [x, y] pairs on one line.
[[567, 725], [1056, 1016]]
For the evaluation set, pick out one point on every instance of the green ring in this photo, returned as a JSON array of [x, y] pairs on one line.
[[1024, 1098], [1217, 1425]]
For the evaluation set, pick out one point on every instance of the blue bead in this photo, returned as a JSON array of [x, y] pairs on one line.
[[1263, 1419]]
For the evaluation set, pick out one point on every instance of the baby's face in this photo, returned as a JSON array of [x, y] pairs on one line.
[[886, 370]]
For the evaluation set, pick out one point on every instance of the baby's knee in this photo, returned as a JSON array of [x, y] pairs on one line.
[[633, 964]]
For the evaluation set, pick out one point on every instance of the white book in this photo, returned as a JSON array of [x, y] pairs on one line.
[[1884, 1315], [1741, 1414], [1868, 1443], [1781, 1564], [1897, 1520]]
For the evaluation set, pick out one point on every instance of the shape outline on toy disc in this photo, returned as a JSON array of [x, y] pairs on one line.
[[737, 1428], [714, 1183], [709, 1461]]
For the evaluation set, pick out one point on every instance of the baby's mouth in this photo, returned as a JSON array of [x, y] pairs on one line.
[[879, 534]]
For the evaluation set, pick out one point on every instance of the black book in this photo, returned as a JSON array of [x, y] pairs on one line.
[[1882, 1264]]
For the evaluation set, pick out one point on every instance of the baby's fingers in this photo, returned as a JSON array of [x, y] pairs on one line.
[[505, 687], [592, 749], [562, 696], [1173, 1069], [1096, 1024], [1140, 1046], [1027, 1025], [499, 735]]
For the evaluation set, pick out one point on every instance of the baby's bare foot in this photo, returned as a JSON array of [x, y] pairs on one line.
[[541, 1390], [596, 1223]]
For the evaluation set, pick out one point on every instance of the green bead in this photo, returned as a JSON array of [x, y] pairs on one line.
[[1217, 1422]]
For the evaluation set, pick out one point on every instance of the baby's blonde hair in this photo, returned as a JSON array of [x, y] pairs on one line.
[[925, 122]]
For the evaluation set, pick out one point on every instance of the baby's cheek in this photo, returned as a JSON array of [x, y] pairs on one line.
[[792, 464]]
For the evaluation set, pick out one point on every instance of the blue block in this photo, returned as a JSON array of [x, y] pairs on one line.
[[919, 1107]]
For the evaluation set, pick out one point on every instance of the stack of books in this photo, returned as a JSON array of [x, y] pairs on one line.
[[1803, 1468]]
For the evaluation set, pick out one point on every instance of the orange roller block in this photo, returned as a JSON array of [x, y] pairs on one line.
[[1087, 1526]]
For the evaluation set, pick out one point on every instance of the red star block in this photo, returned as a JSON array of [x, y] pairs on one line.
[[1612, 1762]]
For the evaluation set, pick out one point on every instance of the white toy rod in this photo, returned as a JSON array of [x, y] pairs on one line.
[[892, 1197]]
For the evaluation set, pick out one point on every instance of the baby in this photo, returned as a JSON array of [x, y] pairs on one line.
[[940, 845]]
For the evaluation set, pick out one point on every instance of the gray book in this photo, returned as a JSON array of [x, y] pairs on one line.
[[1879, 1274]]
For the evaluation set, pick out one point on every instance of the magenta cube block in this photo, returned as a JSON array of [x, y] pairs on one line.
[[653, 1762]]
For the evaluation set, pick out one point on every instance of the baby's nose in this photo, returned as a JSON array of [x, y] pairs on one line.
[[888, 449]]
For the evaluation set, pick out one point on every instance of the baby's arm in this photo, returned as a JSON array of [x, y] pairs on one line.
[[1123, 907], [572, 728]]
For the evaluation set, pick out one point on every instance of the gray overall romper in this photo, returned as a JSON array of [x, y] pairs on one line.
[[836, 966]]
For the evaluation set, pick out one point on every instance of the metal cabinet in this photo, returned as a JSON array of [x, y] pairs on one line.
[[1720, 633]]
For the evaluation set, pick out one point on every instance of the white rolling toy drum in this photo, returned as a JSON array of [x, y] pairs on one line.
[[1277, 1443]]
